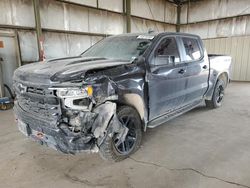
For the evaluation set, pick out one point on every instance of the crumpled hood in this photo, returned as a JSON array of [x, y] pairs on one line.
[[64, 69]]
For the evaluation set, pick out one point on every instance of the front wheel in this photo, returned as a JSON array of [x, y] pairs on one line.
[[111, 149], [218, 95]]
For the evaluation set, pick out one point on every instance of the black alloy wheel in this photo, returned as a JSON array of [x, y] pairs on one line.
[[114, 150]]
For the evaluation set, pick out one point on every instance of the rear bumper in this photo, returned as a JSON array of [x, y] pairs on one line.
[[47, 132]]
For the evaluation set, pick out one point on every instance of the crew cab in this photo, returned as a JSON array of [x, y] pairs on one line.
[[103, 99]]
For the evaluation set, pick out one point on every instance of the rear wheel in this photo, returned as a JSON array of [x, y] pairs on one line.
[[111, 149], [218, 94]]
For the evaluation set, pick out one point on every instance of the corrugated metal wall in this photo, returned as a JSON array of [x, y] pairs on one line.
[[163, 12], [225, 27], [216, 18], [71, 26], [238, 48]]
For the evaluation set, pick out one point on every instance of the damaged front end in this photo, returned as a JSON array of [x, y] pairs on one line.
[[69, 117]]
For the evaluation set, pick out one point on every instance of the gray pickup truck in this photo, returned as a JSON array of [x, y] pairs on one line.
[[103, 99]]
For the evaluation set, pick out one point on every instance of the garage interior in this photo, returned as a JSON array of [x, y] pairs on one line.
[[202, 148]]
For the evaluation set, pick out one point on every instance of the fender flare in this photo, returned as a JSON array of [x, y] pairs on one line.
[[136, 101]]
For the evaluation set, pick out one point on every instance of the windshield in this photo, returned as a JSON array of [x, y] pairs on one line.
[[124, 48]]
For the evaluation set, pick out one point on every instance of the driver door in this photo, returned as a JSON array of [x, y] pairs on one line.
[[167, 80]]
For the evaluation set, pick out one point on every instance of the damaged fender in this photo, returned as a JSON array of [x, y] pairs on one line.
[[107, 123]]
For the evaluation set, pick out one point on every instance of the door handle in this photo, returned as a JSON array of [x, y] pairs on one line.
[[182, 71], [204, 67]]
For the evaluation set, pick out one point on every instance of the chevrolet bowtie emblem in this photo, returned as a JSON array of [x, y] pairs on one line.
[[21, 88]]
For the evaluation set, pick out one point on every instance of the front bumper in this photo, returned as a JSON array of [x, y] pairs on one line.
[[49, 134], [57, 135]]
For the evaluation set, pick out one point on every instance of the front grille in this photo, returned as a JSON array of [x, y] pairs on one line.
[[40, 107], [39, 102], [35, 90]]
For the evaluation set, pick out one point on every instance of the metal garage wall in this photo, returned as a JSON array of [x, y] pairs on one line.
[[238, 48], [28, 46], [225, 27], [63, 16], [159, 10], [91, 3], [237, 26], [160, 16], [216, 18], [206, 10], [61, 44], [56, 15], [141, 25], [70, 26], [114, 5], [20, 13]]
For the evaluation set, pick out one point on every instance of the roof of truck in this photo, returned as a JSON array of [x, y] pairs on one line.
[[157, 33]]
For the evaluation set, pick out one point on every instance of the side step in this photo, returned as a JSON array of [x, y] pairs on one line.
[[166, 117]]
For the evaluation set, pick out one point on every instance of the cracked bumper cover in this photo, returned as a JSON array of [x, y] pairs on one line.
[[55, 135]]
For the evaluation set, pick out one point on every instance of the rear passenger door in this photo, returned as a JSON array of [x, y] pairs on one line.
[[197, 70]]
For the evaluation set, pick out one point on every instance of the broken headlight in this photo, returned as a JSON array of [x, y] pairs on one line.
[[75, 92]]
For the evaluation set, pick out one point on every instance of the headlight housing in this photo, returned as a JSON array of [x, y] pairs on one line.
[[84, 92]]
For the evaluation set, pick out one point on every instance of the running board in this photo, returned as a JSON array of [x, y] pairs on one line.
[[166, 117]]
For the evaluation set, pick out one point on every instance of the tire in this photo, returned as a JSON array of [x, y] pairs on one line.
[[109, 150], [3, 106], [218, 95]]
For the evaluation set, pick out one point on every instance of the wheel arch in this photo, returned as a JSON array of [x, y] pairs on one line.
[[224, 76], [212, 82], [134, 100]]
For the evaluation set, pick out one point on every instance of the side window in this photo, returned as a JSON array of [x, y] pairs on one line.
[[168, 47], [192, 49]]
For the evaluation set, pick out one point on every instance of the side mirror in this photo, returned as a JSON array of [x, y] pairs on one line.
[[160, 60], [140, 59]]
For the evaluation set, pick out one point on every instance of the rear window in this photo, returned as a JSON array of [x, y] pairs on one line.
[[192, 49]]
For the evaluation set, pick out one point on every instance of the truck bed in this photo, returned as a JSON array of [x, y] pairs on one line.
[[220, 63]]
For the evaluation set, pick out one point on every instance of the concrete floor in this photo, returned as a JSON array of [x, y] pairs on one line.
[[203, 148]]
